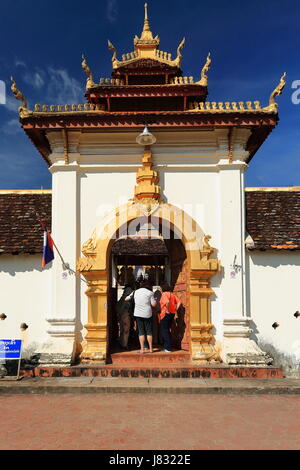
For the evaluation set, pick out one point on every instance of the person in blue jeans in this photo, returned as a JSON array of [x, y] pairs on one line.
[[169, 305], [144, 301]]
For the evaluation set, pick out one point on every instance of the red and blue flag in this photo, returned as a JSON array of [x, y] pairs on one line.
[[48, 250]]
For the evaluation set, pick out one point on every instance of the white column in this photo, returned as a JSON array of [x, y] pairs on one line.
[[61, 346], [238, 348], [232, 232]]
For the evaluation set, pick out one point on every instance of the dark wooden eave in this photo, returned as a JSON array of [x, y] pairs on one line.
[[36, 126], [144, 91]]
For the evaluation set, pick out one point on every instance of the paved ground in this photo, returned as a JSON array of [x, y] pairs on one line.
[[88, 385], [152, 421]]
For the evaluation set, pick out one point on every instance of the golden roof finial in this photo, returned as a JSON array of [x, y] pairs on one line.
[[17, 93], [204, 78], [273, 106], [23, 110], [278, 90], [112, 48], [178, 60], [90, 80]]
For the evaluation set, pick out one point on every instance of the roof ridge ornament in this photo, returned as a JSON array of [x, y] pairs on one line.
[[179, 58], [112, 48], [273, 106], [115, 62], [204, 77], [23, 110], [90, 80]]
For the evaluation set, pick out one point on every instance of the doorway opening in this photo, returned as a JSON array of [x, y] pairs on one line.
[[147, 255]]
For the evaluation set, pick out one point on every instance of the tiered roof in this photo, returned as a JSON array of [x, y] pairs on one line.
[[147, 85]]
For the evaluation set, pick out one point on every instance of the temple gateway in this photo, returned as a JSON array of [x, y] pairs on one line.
[[148, 182]]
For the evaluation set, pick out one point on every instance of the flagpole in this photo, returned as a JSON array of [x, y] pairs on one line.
[[66, 266]]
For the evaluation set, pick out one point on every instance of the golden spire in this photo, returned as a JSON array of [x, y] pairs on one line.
[[146, 22], [147, 47], [146, 39]]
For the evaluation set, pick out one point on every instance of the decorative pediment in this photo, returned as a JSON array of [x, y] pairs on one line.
[[147, 63]]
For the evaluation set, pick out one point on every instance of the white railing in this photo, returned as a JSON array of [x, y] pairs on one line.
[[68, 108], [182, 80], [212, 107], [111, 82], [130, 56], [226, 107], [163, 55]]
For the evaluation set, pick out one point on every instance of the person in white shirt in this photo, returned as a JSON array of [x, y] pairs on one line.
[[143, 302]]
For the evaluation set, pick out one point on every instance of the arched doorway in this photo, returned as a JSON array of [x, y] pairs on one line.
[[148, 255], [201, 267]]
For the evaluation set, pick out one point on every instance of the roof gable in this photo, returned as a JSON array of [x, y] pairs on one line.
[[20, 229], [273, 219]]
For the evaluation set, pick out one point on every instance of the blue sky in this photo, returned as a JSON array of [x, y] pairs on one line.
[[252, 44]]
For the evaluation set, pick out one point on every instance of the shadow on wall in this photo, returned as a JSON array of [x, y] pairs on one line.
[[16, 264], [274, 259], [289, 363], [255, 331], [216, 281]]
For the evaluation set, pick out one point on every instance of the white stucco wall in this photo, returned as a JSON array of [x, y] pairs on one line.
[[101, 191], [195, 174], [24, 298], [274, 296]]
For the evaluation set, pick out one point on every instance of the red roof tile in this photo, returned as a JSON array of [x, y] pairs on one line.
[[20, 230], [273, 219]]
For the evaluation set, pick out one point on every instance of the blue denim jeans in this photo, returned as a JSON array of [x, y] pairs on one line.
[[165, 326]]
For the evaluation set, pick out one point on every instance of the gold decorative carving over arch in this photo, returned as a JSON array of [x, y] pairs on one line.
[[95, 264]]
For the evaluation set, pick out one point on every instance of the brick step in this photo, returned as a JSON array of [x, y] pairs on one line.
[[157, 358], [184, 371]]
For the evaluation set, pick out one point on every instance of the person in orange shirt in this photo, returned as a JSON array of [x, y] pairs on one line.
[[169, 305]]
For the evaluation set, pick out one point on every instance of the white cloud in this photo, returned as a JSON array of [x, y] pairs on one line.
[[112, 10], [35, 79], [12, 104], [52, 86], [47, 86], [62, 88], [11, 127], [20, 63]]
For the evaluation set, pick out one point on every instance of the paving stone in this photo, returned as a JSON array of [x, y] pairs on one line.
[[113, 422]]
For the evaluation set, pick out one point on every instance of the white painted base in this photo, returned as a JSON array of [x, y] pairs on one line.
[[60, 348], [238, 348], [56, 353]]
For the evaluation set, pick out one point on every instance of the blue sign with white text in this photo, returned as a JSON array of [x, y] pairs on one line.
[[10, 348]]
